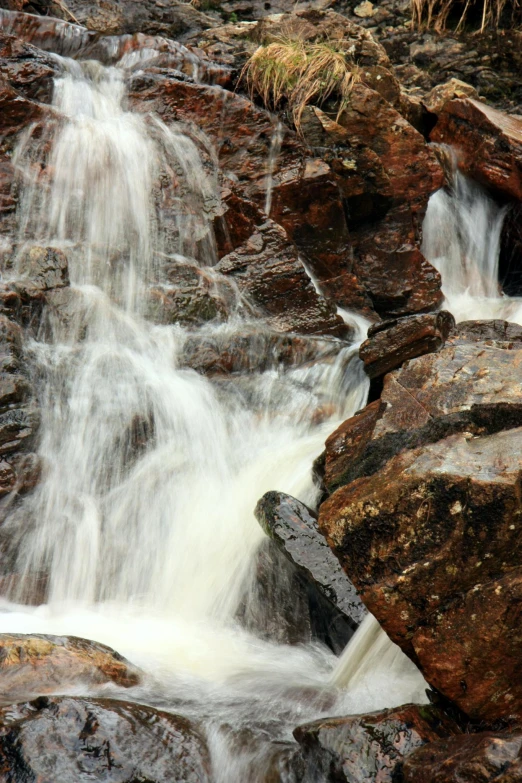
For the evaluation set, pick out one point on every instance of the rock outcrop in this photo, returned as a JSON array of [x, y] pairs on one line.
[[74, 740]]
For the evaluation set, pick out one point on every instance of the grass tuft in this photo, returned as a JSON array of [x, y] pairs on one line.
[[297, 73], [435, 13]]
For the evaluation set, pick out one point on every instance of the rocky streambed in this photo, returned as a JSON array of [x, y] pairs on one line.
[[202, 308]]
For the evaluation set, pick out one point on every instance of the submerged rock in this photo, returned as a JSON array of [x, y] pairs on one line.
[[478, 758], [391, 343], [35, 664], [368, 748], [73, 740]]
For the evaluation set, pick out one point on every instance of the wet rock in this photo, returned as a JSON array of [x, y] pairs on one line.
[[477, 758], [432, 543], [391, 343], [470, 385], [346, 445], [36, 664], [267, 270], [43, 268], [368, 748], [75, 740], [254, 350], [488, 143], [294, 527]]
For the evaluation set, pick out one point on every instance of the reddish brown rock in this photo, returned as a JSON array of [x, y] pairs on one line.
[[469, 385], [429, 541], [254, 349], [488, 144], [345, 446], [267, 270], [475, 758], [78, 740], [36, 664], [369, 748], [391, 343]]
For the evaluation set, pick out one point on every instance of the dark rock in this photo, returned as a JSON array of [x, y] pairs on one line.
[[43, 268], [488, 143], [36, 664], [368, 748], [294, 527], [431, 543], [478, 758], [391, 343], [75, 740], [490, 332]]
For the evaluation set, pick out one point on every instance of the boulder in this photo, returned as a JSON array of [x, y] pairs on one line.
[[32, 664], [369, 748], [391, 343], [478, 758], [488, 144], [293, 527], [75, 740], [431, 541]]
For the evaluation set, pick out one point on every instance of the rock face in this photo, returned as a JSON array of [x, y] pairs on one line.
[[391, 343], [488, 143], [36, 664], [480, 758], [76, 740], [294, 527], [368, 748]]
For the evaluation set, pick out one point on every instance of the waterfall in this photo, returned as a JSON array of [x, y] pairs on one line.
[[461, 238], [143, 521]]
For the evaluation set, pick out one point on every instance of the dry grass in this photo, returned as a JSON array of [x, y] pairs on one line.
[[435, 13], [297, 73]]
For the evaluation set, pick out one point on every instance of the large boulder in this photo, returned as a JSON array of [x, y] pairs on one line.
[[75, 740], [425, 509], [369, 748], [478, 758], [33, 664], [431, 541]]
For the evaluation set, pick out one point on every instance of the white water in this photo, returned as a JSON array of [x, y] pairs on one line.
[[461, 238], [144, 518]]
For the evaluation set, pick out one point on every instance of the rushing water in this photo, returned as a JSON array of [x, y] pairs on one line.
[[143, 520], [461, 238]]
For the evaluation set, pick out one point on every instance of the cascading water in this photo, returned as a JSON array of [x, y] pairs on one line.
[[461, 233], [143, 521]]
